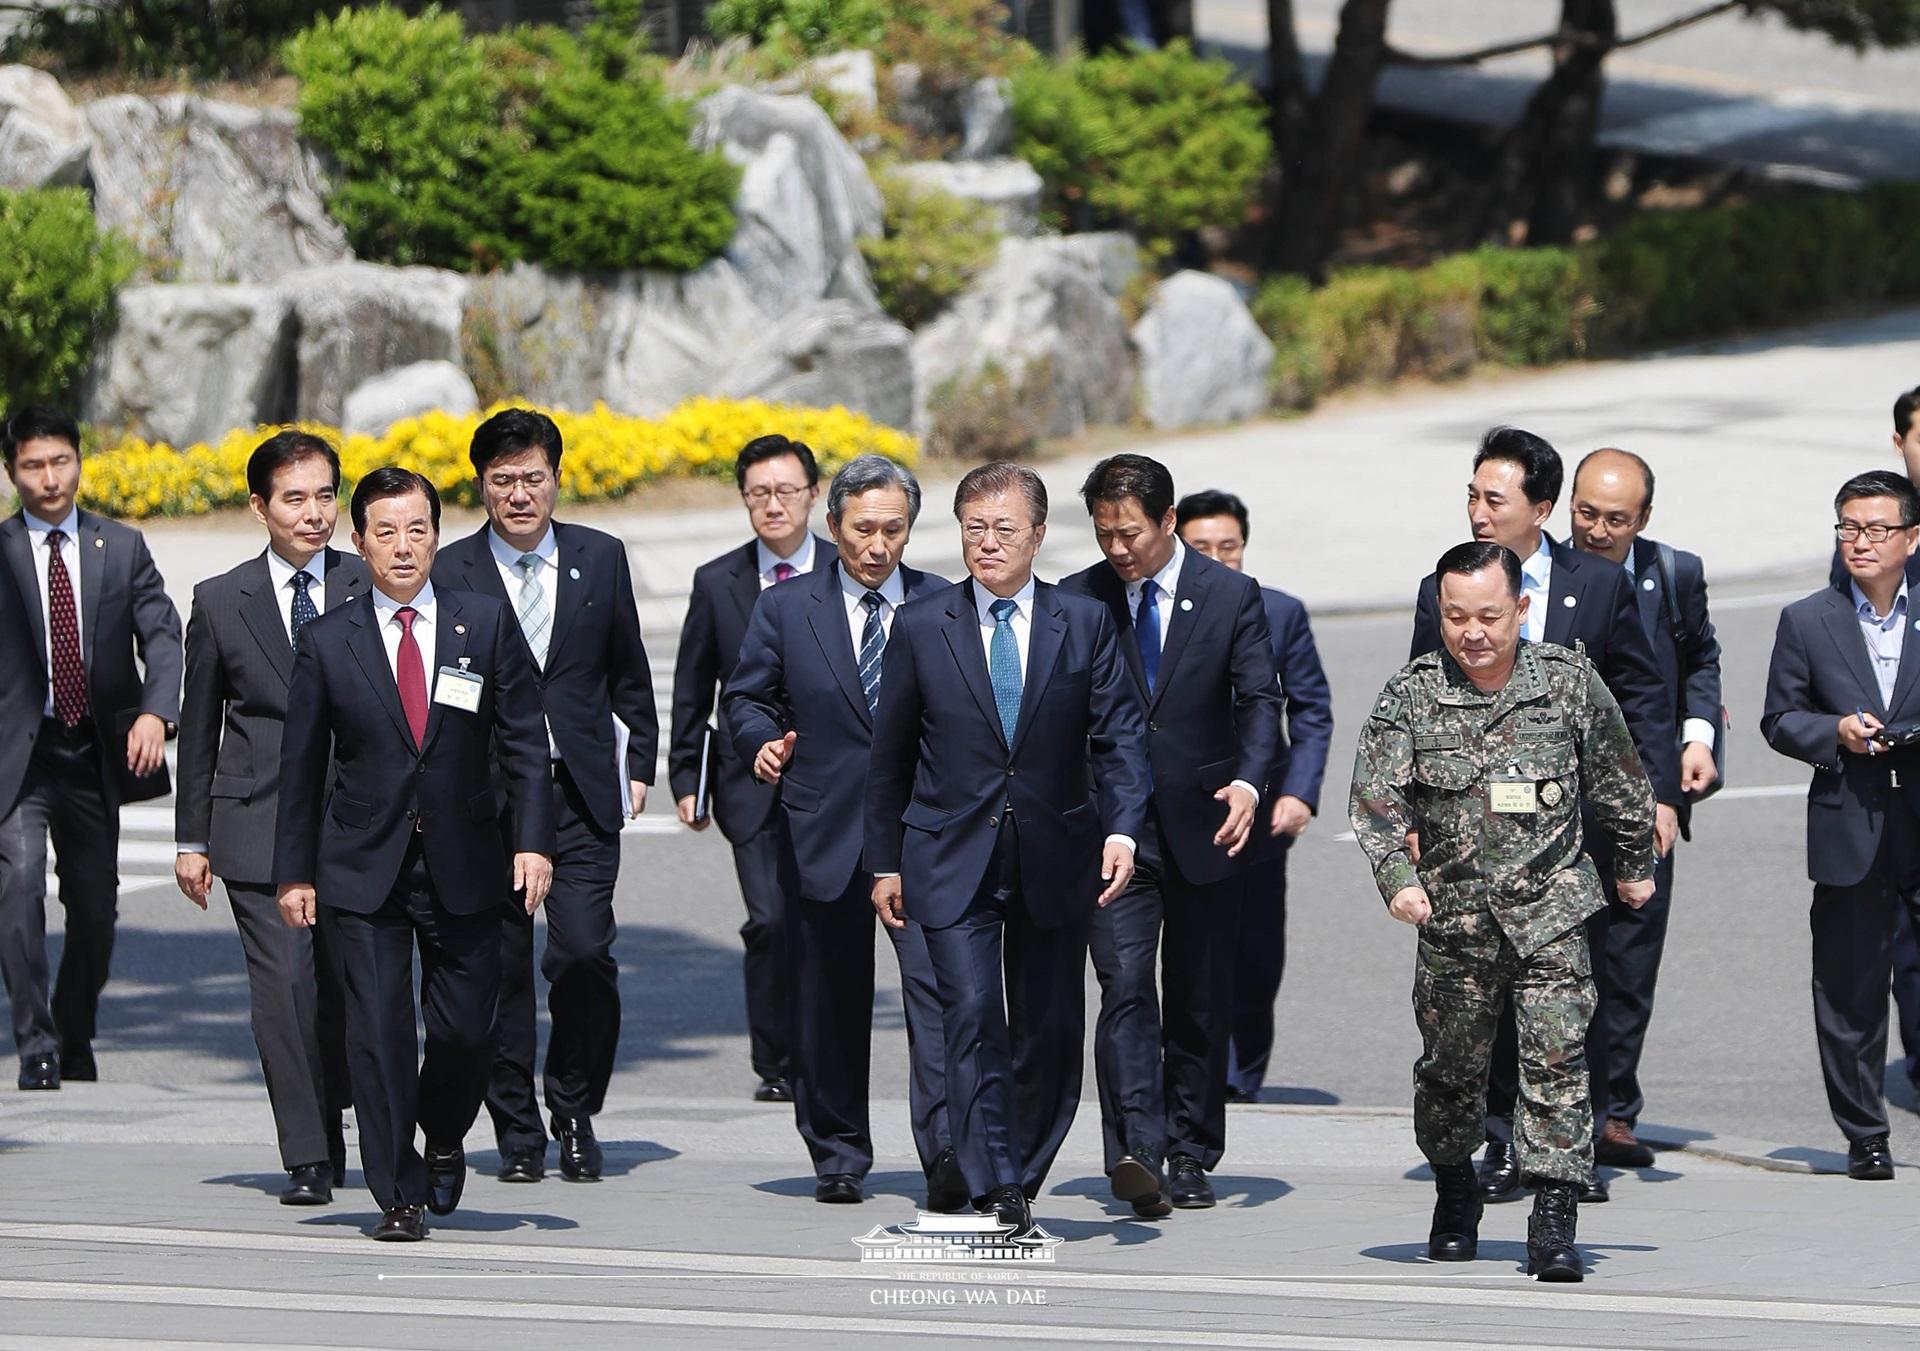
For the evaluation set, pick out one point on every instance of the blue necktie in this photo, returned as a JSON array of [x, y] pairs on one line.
[[1005, 667], [873, 640], [1146, 632], [304, 612]]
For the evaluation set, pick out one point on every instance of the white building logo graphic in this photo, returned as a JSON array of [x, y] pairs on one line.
[[955, 1238]]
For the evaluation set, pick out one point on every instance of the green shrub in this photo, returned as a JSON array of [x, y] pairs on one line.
[[470, 151], [1163, 142], [1533, 305], [800, 28], [57, 278], [991, 414], [951, 42], [934, 246]]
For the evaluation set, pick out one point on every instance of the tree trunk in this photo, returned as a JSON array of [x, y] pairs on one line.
[[1286, 83], [1545, 174], [1318, 169]]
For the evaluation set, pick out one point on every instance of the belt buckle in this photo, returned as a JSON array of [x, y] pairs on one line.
[[1893, 778]]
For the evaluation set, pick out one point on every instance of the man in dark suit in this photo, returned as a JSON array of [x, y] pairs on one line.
[[1845, 668], [1612, 502], [1195, 640], [801, 705], [1006, 792], [240, 641], [572, 592], [779, 482], [103, 662], [1215, 524], [1573, 598], [389, 816]]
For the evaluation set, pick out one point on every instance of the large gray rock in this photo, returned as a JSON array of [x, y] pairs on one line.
[[850, 78], [1202, 356], [187, 364], [356, 321], [829, 353], [210, 191], [423, 387], [986, 119], [1010, 186], [1112, 255], [1042, 315], [44, 140]]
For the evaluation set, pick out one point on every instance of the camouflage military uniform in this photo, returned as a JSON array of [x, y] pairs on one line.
[[1509, 887]]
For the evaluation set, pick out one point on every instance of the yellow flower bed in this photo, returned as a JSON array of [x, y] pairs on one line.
[[608, 454]]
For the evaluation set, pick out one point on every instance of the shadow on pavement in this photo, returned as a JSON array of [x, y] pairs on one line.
[[1289, 1095], [1820, 1160], [1501, 1251], [466, 1221], [619, 1158], [1125, 1233]]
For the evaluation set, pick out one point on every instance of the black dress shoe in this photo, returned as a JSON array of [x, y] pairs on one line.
[[446, 1178], [308, 1185], [946, 1188], [76, 1064], [1187, 1181], [1593, 1191], [773, 1090], [522, 1163], [1499, 1172], [580, 1159], [838, 1189], [1138, 1180], [1009, 1206], [402, 1224], [39, 1071], [1870, 1160]]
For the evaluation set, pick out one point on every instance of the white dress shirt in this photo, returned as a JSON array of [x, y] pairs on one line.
[[1692, 729], [385, 610], [38, 532], [893, 594], [768, 560], [282, 574], [507, 559], [1885, 636], [1536, 583]]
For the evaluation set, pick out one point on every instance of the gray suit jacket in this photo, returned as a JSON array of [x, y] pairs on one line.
[[238, 663]]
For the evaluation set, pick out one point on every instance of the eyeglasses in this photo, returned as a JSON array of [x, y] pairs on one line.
[[1876, 533], [976, 533], [533, 480], [788, 494]]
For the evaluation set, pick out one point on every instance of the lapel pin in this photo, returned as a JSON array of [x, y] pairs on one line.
[[460, 629], [1646, 585], [574, 573], [99, 543], [1568, 601], [1186, 605]]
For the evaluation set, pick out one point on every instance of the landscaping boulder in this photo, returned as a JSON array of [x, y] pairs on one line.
[[1202, 356], [44, 140], [826, 354], [1009, 186], [986, 119], [423, 387], [357, 320]]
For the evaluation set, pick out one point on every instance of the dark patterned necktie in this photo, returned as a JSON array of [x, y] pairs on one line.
[[873, 641], [784, 572], [63, 627], [304, 612]]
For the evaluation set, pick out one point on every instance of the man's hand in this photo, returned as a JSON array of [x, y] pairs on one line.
[[1291, 816], [194, 876], [685, 807], [533, 874], [1857, 731], [1116, 869], [1410, 906], [146, 744], [1413, 846], [1636, 894], [637, 793], [1697, 773], [771, 762], [1239, 823], [888, 902], [296, 904], [1666, 829]]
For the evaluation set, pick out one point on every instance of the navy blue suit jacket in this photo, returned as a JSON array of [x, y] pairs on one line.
[[942, 770], [1213, 715], [1690, 669], [1590, 601], [1819, 674], [596, 664], [1301, 765], [798, 673], [345, 723]]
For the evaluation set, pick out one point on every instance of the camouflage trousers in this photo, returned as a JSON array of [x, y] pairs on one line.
[[1461, 980]]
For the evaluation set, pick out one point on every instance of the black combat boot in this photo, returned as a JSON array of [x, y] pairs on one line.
[[1456, 1215], [1551, 1255]]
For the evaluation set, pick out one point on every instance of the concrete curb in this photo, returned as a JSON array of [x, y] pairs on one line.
[[1763, 1154]]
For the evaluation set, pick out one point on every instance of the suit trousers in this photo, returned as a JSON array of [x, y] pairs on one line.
[[1635, 940], [1852, 965], [830, 945], [583, 980], [1013, 1007], [459, 984], [1259, 961], [61, 797], [295, 992], [1906, 989], [757, 860], [1160, 1057]]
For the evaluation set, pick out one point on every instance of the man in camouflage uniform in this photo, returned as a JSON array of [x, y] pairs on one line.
[[1466, 797]]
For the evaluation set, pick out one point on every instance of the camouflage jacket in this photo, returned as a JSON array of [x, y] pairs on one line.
[[1438, 755]]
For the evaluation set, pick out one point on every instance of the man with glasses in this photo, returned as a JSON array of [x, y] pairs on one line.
[[1843, 684], [572, 591], [779, 482]]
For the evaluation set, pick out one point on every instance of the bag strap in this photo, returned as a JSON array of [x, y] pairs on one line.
[[1670, 598]]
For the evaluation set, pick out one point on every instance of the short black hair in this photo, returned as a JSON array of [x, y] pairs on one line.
[[1119, 477], [772, 448], [1463, 560], [391, 481], [511, 431], [1903, 410], [1881, 483], [1646, 470], [1212, 502], [998, 477], [35, 422], [283, 448], [1540, 471]]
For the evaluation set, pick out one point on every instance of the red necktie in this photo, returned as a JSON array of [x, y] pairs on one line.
[[411, 675], [783, 572], [69, 671]]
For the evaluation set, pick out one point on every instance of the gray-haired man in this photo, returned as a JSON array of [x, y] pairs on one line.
[[800, 706]]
